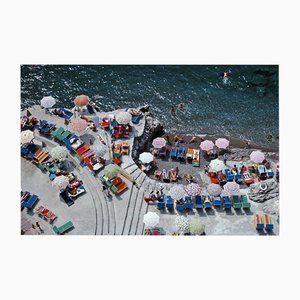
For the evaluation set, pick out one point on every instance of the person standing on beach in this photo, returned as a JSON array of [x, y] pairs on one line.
[[168, 140], [225, 157], [206, 170]]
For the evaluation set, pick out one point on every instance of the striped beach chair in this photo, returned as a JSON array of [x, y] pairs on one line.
[[268, 222], [258, 221]]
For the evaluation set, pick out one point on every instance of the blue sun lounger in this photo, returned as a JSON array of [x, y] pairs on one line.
[[226, 202], [229, 176], [136, 119], [173, 153], [31, 201], [67, 114], [181, 152], [64, 195], [90, 109], [170, 202], [188, 202], [161, 203], [217, 201], [207, 202], [199, 201], [180, 207]]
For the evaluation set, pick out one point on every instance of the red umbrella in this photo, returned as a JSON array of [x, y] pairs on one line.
[[81, 100]]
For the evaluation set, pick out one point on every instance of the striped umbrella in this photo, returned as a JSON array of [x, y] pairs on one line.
[[214, 189], [232, 188], [193, 189], [60, 182], [26, 136], [123, 117], [177, 192], [257, 156], [159, 142], [59, 152], [217, 165], [81, 100], [207, 145], [78, 124], [48, 102], [222, 143]]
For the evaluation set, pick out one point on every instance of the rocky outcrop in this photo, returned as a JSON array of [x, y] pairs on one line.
[[271, 192], [153, 128]]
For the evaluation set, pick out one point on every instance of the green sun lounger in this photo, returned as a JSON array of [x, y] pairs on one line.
[[57, 132], [237, 204], [62, 229], [113, 189], [245, 202], [63, 136]]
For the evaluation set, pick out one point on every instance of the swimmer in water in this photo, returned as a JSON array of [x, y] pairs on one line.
[[173, 109], [180, 106]]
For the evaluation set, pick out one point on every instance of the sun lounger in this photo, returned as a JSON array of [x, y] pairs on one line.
[[237, 204], [258, 221], [24, 151], [189, 153], [116, 181], [116, 161], [30, 202], [58, 131], [226, 202], [217, 201], [181, 153], [136, 119], [245, 202], [229, 176], [62, 229], [105, 181], [66, 113], [196, 158], [40, 209], [207, 202], [117, 151], [64, 195], [199, 201], [268, 222], [161, 203], [64, 135], [105, 122], [90, 109], [262, 172], [80, 190], [214, 178], [173, 175], [170, 202], [25, 196], [82, 149], [188, 202], [180, 207], [121, 187], [163, 152], [166, 175], [173, 153], [125, 148], [270, 173]]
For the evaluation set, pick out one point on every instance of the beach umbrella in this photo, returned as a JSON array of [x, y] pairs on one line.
[[207, 145], [193, 189], [78, 124], [151, 219], [123, 117], [60, 182], [159, 142], [257, 156], [177, 192], [217, 165], [214, 189], [196, 226], [59, 153], [182, 223], [146, 157], [48, 102], [111, 170], [26, 136], [81, 100], [232, 188], [222, 143], [99, 149]]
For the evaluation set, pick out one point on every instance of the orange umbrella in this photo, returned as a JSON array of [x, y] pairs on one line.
[[81, 100]]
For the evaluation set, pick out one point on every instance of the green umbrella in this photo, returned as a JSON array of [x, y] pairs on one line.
[[196, 226], [111, 170], [59, 153]]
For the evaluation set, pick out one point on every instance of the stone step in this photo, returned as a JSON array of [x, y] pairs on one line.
[[131, 169], [140, 224]]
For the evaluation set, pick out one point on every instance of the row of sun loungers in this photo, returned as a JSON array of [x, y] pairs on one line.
[[28, 200], [64, 228], [263, 222], [116, 185], [46, 213]]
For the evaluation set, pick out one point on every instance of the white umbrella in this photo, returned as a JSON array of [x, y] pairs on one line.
[[257, 156], [214, 189], [48, 102], [217, 165], [222, 143], [193, 189], [182, 223], [123, 117], [26, 136], [100, 149], [177, 192], [59, 152], [146, 157], [159, 142], [232, 188], [60, 182], [207, 145], [151, 219]]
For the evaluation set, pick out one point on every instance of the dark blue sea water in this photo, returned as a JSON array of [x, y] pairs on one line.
[[245, 107]]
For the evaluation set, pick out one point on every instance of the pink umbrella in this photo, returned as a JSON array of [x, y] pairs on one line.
[[159, 142], [78, 124], [257, 156], [214, 189], [232, 188], [81, 100], [222, 143], [207, 145], [193, 189]]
